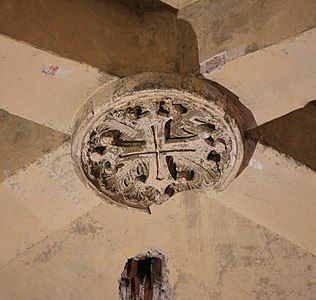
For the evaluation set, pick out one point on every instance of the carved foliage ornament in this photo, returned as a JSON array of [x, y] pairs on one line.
[[146, 146]]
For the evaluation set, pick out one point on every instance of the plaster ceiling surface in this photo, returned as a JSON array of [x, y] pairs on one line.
[[279, 78], [49, 193], [220, 255], [50, 100], [59, 240]]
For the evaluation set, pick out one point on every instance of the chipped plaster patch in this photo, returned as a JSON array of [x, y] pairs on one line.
[[48, 253], [86, 227], [145, 277], [255, 164], [57, 71], [15, 187], [218, 61]]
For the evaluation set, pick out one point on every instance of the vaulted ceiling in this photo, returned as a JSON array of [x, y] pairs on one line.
[[255, 239]]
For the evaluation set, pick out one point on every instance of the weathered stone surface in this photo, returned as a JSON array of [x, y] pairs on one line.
[[145, 138]]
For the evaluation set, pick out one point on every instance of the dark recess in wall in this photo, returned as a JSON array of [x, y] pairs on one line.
[[144, 277]]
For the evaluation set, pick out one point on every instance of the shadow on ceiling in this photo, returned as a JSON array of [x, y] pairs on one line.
[[293, 134], [121, 37]]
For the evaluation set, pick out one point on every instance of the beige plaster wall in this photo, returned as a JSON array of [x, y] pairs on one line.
[[213, 253], [275, 80], [50, 100]]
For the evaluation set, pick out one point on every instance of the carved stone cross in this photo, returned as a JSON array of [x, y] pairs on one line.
[[145, 147], [158, 148]]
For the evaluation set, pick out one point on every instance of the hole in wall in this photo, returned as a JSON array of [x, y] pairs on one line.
[[144, 278]]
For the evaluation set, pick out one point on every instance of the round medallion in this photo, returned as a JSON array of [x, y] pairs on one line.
[[141, 140]]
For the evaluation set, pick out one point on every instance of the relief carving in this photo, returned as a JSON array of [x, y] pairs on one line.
[[151, 145]]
